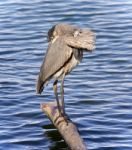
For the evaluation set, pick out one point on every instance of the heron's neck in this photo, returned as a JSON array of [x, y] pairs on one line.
[[78, 54]]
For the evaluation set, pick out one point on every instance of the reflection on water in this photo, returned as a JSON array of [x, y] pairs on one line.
[[98, 93], [54, 136]]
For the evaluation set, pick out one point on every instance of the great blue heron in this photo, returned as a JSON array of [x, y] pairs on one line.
[[65, 51]]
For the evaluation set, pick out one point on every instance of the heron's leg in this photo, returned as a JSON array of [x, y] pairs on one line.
[[56, 95], [62, 100], [62, 94]]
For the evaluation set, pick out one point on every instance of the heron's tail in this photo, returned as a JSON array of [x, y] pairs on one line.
[[39, 86]]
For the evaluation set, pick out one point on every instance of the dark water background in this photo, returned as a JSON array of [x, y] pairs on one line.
[[98, 93]]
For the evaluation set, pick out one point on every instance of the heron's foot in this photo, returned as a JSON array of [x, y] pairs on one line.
[[65, 117]]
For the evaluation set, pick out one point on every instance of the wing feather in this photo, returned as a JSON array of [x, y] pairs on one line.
[[57, 55], [85, 40]]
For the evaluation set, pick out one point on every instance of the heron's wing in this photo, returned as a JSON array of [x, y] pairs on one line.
[[85, 40], [57, 55]]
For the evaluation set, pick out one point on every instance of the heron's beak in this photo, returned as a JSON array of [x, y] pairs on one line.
[[90, 41]]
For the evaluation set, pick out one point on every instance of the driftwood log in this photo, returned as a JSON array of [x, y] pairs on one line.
[[68, 130]]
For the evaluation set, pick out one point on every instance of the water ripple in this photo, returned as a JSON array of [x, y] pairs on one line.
[[97, 93]]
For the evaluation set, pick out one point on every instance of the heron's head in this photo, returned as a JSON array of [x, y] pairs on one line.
[[85, 39]]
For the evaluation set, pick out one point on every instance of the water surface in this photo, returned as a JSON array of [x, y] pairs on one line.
[[98, 93]]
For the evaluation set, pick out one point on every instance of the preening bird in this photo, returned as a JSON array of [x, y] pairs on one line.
[[65, 51]]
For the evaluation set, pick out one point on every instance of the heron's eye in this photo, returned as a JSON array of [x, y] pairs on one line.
[[76, 33]]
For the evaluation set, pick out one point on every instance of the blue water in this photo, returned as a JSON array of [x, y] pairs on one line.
[[98, 93]]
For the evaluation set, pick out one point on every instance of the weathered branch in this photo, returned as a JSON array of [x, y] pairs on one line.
[[68, 130]]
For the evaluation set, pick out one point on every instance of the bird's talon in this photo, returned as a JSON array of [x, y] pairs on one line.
[[65, 117]]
